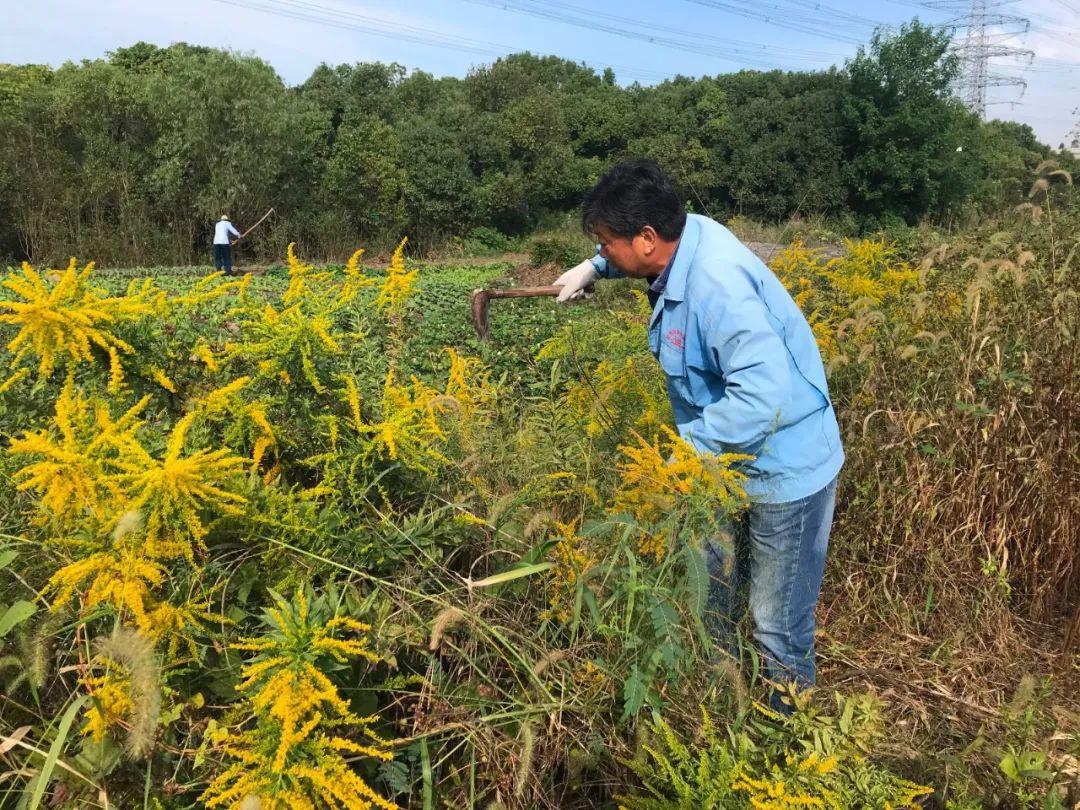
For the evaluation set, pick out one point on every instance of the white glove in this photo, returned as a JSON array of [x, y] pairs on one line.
[[575, 280]]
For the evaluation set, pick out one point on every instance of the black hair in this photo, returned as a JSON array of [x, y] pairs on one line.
[[631, 195]]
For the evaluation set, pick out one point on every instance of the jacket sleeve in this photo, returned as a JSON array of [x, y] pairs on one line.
[[741, 345], [233, 230], [604, 268]]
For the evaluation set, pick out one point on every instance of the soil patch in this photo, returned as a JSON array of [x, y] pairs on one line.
[[525, 275]]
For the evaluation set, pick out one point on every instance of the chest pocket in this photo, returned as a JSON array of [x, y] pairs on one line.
[[682, 357], [690, 374], [673, 361]]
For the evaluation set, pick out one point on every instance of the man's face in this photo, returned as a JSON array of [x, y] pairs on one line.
[[633, 256]]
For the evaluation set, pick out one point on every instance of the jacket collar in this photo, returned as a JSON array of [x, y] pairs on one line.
[[684, 257], [680, 269]]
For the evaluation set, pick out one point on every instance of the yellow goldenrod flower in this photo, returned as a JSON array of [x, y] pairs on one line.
[[76, 468], [161, 379], [172, 492], [398, 285], [408, 430], [289, 759], [204, 353], [655, 478], [62, 323], [572, 562]]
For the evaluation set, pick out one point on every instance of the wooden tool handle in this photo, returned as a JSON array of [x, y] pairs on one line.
[[523, 292], [527, 292], [256, 225]]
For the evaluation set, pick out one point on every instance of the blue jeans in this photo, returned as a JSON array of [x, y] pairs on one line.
[[772, 560]]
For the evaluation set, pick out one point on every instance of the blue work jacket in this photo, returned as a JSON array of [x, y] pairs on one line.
[[744, 374]]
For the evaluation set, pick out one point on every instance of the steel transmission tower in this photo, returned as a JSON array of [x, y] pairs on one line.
[[975, 54], [987, 28]]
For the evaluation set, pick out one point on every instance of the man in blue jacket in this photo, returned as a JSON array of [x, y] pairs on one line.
[[744, 375]]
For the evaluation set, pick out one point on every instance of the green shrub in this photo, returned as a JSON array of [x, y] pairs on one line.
[[484, 240], [562, 249]]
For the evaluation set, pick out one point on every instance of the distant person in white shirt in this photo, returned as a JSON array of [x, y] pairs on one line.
[[223, 245]]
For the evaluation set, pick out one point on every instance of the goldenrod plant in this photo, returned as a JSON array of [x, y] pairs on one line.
[[768, 762], [293, 756], [398, 286], [62, 322], [73, 471], [573, 561], [355, 278], [666, 482], [407, 429], [615, 378], [845, 297], [172, 493]]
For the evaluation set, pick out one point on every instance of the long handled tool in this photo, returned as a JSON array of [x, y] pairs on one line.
[[481, 298], [253, 227]]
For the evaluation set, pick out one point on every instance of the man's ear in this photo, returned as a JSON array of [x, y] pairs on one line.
[[651, 237]]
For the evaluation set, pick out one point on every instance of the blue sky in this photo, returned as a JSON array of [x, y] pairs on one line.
[[644, 41]]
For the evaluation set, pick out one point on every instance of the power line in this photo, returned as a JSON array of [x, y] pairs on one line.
[[735, 51], [645, 31], [1069, 6], [1064, 37], [807, 15], [778, 20], [745, 54], [628, 22], [345, 20], [915, 4], [324, 15], [822, 9], [1059, 64]]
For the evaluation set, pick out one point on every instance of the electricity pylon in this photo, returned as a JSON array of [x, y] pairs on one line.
[[987, 27]]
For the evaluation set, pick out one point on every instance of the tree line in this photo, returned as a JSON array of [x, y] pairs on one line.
[[130, 158]]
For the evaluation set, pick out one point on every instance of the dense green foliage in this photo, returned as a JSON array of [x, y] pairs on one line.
[[132, 157]]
